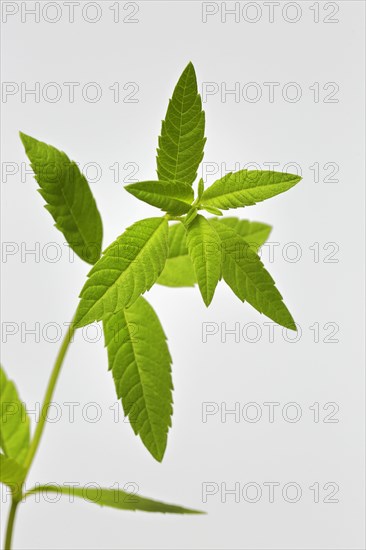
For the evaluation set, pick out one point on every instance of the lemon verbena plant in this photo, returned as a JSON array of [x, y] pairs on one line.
[[181, 247]]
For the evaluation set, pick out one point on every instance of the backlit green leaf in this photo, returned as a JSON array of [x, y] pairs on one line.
[[114, 498], [201, 188], [244, 272], [128, 267], [11, 473], [14, 421], [245, 188], [182, 139], [174, 198], [204, 247], [68, 198], [178, 270], [255, 233], [140, 361], [212, 210]]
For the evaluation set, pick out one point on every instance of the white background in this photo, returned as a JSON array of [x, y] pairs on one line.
[[152, 52]]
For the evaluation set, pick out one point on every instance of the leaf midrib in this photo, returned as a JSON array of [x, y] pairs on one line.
[[142, 386], [180, 200], [219, 194], [85, 241], [247, 275], [180, 129]]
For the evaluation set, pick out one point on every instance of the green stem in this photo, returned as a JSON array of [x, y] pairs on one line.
[[39, 429], [48, 396], [10, 525]]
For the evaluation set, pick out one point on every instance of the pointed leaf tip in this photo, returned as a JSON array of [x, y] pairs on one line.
[[115, 498], [245, 274], [190, 67]]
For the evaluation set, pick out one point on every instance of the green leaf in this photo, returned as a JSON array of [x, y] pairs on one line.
[[128, 267], [177, 241], [68, 196], [114, 498], [245, 188], [140, 362], [212, 210], [204, 247], [11, 473], [201, 188], [244, 272], [14, 421], [182, 139], [178, 270], [255, 233], [174, 198]]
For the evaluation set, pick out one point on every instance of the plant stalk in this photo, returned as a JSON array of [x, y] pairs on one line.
[[40, 426], [48, 396], [10, 525]]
